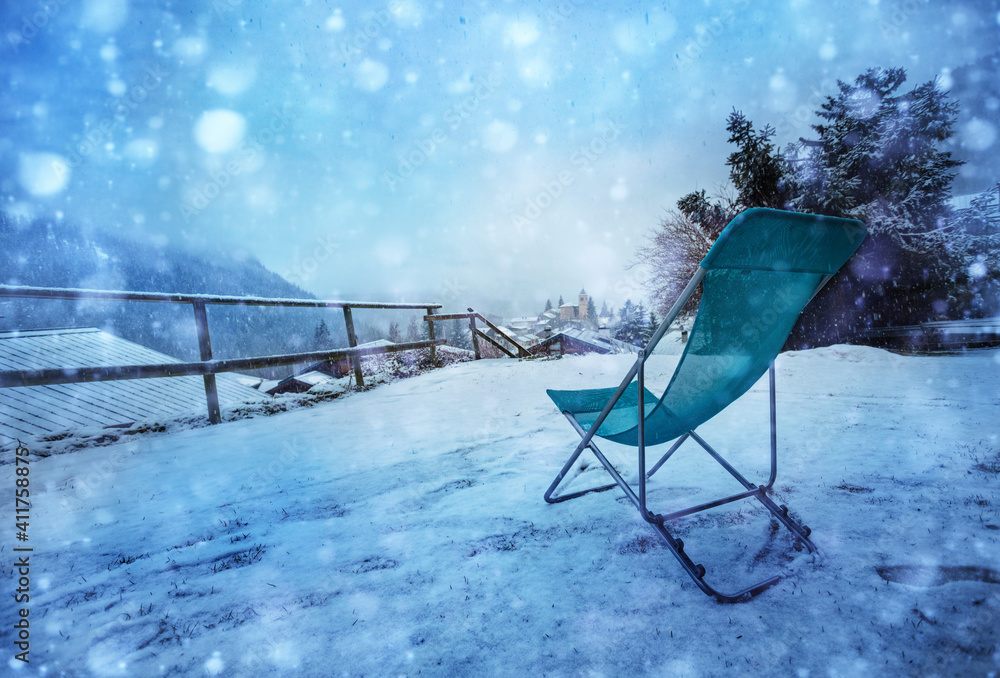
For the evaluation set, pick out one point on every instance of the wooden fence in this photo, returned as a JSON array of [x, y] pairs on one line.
[[207, 367], [515, 350]]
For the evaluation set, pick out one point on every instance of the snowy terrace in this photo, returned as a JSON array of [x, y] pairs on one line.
[[402, 531]]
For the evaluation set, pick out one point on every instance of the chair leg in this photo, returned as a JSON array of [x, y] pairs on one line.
[[697, 572], [674, 545], [592, 446], [758, 492], [658, 521]]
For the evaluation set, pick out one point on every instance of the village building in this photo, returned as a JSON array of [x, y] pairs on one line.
[[523, 325], [547, 319], [578, 312]]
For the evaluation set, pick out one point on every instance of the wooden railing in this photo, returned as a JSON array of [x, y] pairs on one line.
[[207, 367], [937, 336], [472, 316]]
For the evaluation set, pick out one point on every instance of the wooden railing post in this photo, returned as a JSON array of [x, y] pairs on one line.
[[352, 340], [475, 337], [430, 335], [205, 348]]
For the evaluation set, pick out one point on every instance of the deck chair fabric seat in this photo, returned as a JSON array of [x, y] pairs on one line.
[[760, 274], [756, 279]]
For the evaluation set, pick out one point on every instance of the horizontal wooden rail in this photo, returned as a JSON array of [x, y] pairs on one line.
[[450, 316], [73, 375], [26, 292], [207, 367]]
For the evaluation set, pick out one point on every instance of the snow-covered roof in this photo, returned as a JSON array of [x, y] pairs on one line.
[[595, 339], [313, 378], [592, 338], [33, 410], [305, 380], [267, 385], [519, 337], [377, 342], [522, 324], [252, 382]]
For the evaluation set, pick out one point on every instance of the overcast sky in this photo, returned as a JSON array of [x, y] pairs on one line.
[[487, 153]]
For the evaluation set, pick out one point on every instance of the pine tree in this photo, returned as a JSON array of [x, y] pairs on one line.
[[604, 309], [458, 338], [412, 332], [561, 302], [548, 305], [756, 168], [979, 248], [710, 216], [641, 323], [879, 159], [654, 323], [321, 337], [628, 323], [394, 334], [592, 311]]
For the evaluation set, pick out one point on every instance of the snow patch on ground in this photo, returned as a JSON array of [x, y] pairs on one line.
[[402, 530], [377, 370]]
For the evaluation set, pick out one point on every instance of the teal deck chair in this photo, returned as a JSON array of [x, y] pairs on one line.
[[756, 279]]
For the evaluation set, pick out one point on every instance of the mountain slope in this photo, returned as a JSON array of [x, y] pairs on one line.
[[47, 254]]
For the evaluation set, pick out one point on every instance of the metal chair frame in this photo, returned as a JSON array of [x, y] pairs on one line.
[[659, 521]]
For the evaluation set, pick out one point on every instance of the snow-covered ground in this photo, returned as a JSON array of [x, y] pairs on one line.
[[402, 531]]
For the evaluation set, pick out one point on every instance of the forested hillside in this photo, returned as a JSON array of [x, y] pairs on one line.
[[48, 254]]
